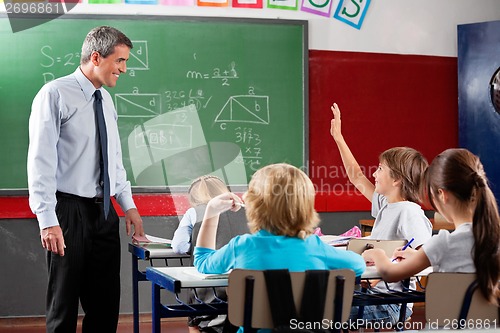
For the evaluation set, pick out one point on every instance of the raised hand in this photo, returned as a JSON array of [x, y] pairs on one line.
[[335, 124]]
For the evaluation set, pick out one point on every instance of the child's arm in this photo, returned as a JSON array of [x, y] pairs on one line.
[[410, 263], [216, 206], [354, 172]]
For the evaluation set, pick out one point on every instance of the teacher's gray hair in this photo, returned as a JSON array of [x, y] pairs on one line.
[[103, 40]]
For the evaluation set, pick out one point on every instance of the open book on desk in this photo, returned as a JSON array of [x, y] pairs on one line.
[[149, 241], [192, 271], [336, 240]]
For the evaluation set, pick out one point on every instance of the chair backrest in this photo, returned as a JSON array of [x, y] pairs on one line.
[[261, 312], [231, 224], [439, 222], [445, 294], [358, 245]]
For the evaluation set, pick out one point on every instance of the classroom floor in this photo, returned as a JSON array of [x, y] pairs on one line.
[[171, 326], [125, 325]]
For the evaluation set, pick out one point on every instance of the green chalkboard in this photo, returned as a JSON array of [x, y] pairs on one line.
[[200, 95]]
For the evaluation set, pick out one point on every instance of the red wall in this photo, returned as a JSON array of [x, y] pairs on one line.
[[386, 100]]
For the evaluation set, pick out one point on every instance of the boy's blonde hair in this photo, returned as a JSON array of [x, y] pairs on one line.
[[204, 188], [280, 199], [408, 165]]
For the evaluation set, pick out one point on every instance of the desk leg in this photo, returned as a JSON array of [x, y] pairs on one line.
[[402, 315], [156, 308], [135, 292], [402, 311]]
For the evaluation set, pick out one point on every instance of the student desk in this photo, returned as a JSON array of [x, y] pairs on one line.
[[362, 298], [366, 226], [147, 252], [174, 279]]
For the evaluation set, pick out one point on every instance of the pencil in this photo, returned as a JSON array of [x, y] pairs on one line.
[[406, 246]]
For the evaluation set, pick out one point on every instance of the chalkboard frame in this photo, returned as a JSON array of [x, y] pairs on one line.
[[305, 78]]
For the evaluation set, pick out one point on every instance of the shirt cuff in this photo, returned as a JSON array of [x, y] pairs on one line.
[[125, 203], [47, 219]]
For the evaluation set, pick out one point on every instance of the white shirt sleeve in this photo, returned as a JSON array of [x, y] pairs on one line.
[[181, 242], [378, 201]]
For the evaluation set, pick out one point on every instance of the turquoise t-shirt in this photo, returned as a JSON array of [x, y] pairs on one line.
[[263, 250]]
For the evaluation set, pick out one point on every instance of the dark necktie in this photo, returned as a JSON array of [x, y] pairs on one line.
[[103, 140]]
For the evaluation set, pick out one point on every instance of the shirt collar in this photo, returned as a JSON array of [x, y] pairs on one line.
[[87, 87], [265, 233]]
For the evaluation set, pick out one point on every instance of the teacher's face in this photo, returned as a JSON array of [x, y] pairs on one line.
[[107, 70]]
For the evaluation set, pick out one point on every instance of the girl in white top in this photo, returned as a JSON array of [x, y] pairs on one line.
[[394, 198], [457, 188]]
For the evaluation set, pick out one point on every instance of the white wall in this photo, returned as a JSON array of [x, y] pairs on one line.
[[426, 27]]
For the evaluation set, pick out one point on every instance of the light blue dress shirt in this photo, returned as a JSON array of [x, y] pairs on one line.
[[63, 153]]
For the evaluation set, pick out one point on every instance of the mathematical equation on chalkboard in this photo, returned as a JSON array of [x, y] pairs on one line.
[[237, 116], [157, 135]]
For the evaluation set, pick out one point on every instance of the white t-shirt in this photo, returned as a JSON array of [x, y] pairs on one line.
[[452, 252], [399, 220]]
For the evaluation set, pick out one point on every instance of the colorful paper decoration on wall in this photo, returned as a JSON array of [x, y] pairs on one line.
[[352, 12], [318, 7], [283, 4], [213, 3], [247, 3]]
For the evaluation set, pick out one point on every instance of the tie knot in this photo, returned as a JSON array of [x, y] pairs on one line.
[[97, 94]]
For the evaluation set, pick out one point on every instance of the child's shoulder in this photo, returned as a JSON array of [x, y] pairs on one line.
[[411, 211], [409, 206]]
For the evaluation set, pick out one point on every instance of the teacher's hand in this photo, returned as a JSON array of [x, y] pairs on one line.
[[53, 240], [132, 217]]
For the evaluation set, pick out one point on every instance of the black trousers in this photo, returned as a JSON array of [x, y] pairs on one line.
[[89, 271]]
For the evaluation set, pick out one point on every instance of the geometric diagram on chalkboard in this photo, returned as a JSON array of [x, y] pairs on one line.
[[245, 109], [198, 161], [171, 149], [138, 105], [138, 59], [153, 139], [163, 136]]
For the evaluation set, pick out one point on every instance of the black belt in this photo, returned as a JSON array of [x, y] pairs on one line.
[[79, 198]]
